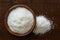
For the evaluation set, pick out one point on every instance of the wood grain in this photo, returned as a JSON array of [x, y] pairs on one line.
[[49, 8]]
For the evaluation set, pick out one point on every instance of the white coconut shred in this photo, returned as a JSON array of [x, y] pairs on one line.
[[43, 25], [20, 20]]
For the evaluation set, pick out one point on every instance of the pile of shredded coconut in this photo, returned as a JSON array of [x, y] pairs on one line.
[[43, 25], [20, 20]]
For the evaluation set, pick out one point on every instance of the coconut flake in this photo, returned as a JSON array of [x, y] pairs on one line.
[[43, 25], [20, 20]]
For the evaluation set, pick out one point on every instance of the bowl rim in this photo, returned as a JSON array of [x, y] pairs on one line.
[[7, 14]]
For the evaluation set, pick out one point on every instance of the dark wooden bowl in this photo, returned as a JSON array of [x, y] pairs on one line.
[[13, 7]]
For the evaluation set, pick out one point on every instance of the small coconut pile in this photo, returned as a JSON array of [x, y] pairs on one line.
[[43, 25]]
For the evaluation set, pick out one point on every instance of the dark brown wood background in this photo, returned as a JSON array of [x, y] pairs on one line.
[[49, 8]]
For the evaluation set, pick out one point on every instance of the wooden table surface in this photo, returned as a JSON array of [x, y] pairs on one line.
[[49, 8]]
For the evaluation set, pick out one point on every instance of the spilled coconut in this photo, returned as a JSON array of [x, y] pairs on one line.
[[20, 20], [43, 25]]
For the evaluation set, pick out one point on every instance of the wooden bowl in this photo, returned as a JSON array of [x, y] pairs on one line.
[[9, 10]]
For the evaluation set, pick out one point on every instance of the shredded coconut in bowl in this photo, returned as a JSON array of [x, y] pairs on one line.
[[43, 25], [20, 20]]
